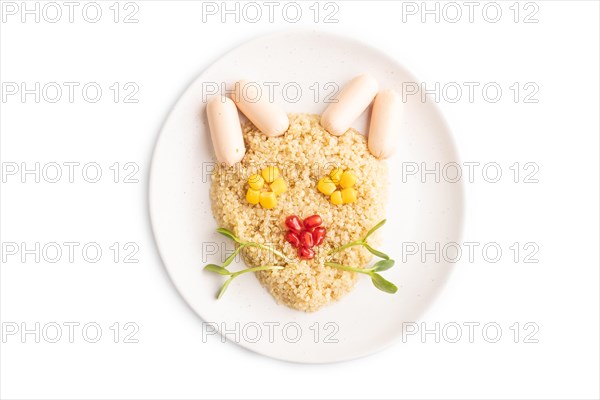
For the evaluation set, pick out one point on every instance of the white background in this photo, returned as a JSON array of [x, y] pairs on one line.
[[161, 54]]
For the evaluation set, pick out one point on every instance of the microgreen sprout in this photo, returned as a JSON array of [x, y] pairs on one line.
[[243, 244], [232, 275], [363, 242], [379, 281], [222, 270]]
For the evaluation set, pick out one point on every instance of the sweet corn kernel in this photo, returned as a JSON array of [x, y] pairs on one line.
[[347, 180], [256, 182], [326, 186], [336, 175], [268, 200], [252, 196], [278, 186], [336, 198], [270, 173], [348, 195]]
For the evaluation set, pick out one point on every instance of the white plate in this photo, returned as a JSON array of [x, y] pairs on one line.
[[364, 321]]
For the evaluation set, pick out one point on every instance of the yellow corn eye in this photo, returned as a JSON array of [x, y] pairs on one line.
[[252, 196], [336, 198], [347, 180], [256, 182], [270, 173], [278, 186], [266, 196], [326, 186], [336, 175], [348, 195], [268, 200], [339, 186]]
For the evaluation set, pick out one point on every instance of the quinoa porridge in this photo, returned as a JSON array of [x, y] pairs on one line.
[[303, 155]]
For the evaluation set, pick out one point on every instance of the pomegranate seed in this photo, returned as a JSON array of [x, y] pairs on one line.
[[304, 235], [312, 221], [318, 235], [305, 253], [307, 239], [310, 230], [294, 224], [292, 238]]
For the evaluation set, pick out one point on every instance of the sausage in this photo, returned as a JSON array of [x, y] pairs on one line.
[[385, 123], [225, 130], [354, 98], [253, 102]]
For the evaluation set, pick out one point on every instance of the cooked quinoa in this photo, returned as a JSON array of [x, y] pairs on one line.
[[304, 154]]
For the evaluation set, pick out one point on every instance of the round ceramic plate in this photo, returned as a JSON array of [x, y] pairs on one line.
[[304, 70]]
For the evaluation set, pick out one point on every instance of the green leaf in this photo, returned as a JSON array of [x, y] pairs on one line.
[[382, 284], [382, 265], [376, 252], [217, 269], [229, 234], [346, 268], [344, 247], [231, 257], [224, 288], [373, 229]]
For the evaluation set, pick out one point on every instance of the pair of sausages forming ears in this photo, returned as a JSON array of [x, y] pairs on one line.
[[270, 119]]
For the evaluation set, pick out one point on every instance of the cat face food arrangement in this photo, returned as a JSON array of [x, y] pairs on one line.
[[303, 196]]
